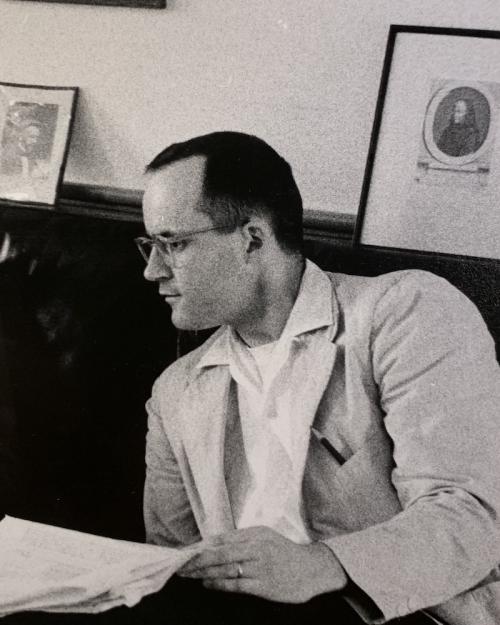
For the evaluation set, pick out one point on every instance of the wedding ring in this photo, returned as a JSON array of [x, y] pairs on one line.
[[239, 574]]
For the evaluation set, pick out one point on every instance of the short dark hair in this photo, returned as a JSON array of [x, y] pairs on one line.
[[243, 176]]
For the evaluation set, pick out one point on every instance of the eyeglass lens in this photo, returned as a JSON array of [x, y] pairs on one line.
[[146, 246]]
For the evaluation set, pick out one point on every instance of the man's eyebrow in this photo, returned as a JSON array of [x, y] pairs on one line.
[[166, 233]]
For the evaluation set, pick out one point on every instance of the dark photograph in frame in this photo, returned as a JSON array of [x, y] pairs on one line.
[[461, 122], [35, 129]]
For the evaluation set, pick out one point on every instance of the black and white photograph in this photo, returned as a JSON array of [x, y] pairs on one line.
[[249, 312], [458, 133], [461, 121], [34, 137]]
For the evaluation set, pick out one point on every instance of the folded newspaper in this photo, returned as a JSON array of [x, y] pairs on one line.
[[59, 570]]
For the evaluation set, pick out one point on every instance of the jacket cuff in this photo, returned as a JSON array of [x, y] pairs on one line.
[[372, 606]]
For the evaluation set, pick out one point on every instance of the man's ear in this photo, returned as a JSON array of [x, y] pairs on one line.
[[255, 232]]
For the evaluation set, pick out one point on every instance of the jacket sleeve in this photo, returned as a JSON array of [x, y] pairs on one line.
[[168, 515], [434, 364]]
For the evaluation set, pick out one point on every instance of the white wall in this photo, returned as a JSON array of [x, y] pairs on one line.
[[302, 74]]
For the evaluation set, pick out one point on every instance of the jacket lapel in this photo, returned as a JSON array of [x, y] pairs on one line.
[[204, 407], [315, 358], [311, 373]]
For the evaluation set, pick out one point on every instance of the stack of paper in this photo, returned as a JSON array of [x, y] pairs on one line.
[[58, 570]]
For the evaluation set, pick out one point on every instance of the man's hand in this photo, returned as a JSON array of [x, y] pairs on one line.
[[261, 562]]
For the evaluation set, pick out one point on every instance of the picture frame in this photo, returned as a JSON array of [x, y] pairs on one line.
[[432, 177], [35, 129], [145, 4]]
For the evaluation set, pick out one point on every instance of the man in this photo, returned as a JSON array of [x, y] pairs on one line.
[[337, 436], [19, 156], [461, 135]]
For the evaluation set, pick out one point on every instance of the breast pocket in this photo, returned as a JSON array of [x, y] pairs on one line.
[[352, 496]]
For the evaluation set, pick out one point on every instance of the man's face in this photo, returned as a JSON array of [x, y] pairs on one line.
[[207, 287], [459, 112], [29, 138]]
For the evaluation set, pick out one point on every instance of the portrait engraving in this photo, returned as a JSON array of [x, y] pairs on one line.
[[458, 133]]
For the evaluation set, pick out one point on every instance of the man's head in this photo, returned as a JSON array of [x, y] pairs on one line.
[[29, 136], [459, 111], [238, 200], [243, 176]]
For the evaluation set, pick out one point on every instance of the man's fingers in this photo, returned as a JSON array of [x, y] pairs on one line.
[[225, 555], [225, 571], [246, 586]]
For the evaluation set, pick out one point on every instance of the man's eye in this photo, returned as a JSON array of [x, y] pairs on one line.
[[178, 246]]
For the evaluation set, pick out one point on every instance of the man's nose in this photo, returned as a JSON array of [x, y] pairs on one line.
[[158, 267]]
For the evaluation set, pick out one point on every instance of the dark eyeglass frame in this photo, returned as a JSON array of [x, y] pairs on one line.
[[163, 244]]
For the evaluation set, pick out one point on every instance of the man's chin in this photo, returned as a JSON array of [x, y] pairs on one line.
[[184, 322]]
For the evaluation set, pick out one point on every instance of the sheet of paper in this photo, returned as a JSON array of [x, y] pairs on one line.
[[56, 569]]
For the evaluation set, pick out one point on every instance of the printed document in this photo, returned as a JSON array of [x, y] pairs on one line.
[[59, 570]]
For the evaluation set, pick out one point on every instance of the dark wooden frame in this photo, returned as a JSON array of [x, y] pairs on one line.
[[394, 30], [145, 4], [64, 154]]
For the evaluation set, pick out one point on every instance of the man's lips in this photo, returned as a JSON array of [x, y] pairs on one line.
[[169, 295]]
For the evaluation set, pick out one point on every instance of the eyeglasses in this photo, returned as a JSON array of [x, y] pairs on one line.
[[170, 248]]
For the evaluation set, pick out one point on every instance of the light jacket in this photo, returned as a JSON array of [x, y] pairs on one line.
[[408, 392]]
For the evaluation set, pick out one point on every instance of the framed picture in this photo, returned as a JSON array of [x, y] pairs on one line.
[[147, 4], [35, 127], [432, 180]]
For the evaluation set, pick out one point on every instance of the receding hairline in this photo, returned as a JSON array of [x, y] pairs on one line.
[[180, 159], [199, 160]]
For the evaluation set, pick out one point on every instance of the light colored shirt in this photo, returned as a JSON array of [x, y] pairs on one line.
[[275, 434]]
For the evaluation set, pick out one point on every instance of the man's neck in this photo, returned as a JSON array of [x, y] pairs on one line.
[[276, 299]]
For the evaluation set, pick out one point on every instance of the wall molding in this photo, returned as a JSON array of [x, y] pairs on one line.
[[125, 205], [100, 201]]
